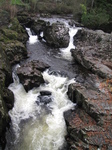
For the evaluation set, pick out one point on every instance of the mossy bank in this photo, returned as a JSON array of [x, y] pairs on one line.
[[13, 39]]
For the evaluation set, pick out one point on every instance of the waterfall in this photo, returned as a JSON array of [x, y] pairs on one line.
[[44, 126], [32, 38], [36, 125], [65, 52]]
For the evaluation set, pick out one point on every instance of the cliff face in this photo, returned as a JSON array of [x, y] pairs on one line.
[[89, 126], [12, 49]]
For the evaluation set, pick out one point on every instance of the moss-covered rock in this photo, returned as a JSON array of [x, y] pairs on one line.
[[15, 51], [5, 69], [6, 97], [13, 39], [4, 18], [10, 34], [15, 26], [3, 115]]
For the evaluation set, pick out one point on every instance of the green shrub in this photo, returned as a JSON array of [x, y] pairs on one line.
[[16, 2], [95, 18]]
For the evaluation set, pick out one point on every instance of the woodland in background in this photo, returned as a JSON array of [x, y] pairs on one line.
[[95, 14]]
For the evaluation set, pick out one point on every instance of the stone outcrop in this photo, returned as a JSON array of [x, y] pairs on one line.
[[89, 125], [94, 51], [6, 96], [57, 35], [25, 19], [13, 40], [30, 74], [38, 26]]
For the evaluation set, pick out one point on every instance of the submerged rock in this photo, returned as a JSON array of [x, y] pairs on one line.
[[44, 99], [30, 74], [43, 93], [94, 51], [57, 35]]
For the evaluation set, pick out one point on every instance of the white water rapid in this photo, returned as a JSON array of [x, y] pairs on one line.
[[32, 38], [44, 126], [36, 125], [65, 52]]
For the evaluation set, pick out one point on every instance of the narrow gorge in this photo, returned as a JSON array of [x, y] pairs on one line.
[[61, 84]]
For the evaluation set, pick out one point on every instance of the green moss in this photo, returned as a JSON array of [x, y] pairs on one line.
[[10, 34], [15, 25], [16, 2]]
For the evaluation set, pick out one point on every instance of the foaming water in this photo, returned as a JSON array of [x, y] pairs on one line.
[[32, 38], [39, 126], [36, 125], [65, 52]]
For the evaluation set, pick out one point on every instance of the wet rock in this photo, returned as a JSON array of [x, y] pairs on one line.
[[30, 74], [25, 19], [57, 35], [6, 97], [43, 93], [12, 49], [38, 26], [5, 69], [58, 73], [93, 51], [4, 118], [44, 99]]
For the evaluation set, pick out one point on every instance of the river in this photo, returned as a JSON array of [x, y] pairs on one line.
[[34, 124]]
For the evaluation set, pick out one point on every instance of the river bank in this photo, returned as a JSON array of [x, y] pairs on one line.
[[89, 125]]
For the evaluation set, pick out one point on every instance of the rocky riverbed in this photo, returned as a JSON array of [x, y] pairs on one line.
[[89, 125]]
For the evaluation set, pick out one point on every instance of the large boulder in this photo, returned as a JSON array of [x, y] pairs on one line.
[[94, 51], [57, 35], [25, 19], [30, 74], [38, 26]]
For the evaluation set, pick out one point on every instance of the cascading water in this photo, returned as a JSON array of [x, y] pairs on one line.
[[32, 38], [44, 126], [36, 125], [65, 52]]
